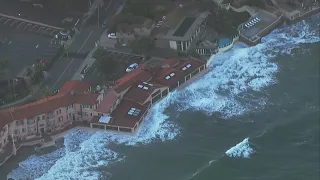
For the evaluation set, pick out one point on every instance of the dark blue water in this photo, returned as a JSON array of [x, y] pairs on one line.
[[264, 125]]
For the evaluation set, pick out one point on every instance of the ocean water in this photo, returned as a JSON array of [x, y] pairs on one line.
[[254, 115]]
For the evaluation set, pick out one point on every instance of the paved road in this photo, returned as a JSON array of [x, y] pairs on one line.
[[64, 69]]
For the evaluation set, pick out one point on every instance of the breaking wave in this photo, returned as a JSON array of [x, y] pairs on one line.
[[233, 86], [85, 153], [229, 89], [242, 149]]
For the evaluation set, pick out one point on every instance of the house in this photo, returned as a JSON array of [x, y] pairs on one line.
[[178, 36]]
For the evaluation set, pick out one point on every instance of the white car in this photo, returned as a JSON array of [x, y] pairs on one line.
[[132, 67], [112, 36]]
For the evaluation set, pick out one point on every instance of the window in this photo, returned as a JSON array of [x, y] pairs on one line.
[[20, 123], [201, 68], [85, 114], [31, 130], [43, 117], [194, 73], [86, 106], [70, 107], [23, 129], [50, 116], [30, 121], [91, 114], [60, 119], [58, 111], [51, 123], [38, 118], [17, 131], [69, 116], [156, 93], [134, 112]]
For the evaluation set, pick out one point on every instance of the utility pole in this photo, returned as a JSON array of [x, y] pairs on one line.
[[98, 16], [99, 21]]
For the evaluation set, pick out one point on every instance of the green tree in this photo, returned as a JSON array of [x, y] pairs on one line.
[[106, 65], [141, 45], [37, 76], [4, 67], [46, 91]]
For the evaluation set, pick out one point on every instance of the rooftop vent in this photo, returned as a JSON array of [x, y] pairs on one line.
[[168, 77], [172, 74], [145, 88], [140, 86]]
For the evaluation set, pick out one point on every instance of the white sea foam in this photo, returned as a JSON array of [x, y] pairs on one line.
[[244, 69], [241, 150], [85, 153], [222, 90]]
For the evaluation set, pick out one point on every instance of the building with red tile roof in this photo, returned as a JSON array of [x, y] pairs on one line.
[[142, 73], [74, 102], [141, 92], [122, 108], [108, 103], [140, 89], [75, 86]]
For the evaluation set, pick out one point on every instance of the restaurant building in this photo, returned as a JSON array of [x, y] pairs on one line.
[[127, 103]]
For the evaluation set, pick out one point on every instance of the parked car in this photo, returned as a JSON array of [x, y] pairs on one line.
[[112, 36], [63, 35], [132, 67]]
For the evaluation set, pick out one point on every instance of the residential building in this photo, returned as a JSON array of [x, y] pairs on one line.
[[179, 37], [295, 11], [74, 102]]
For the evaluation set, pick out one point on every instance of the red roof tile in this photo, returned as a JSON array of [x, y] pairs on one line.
[[108, 101], [122, 118], [46, 105], [74, 85], [139, 74], [140, 95], [172, 62]]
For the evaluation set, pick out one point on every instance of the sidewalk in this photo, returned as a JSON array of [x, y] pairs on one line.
[[88, 61]]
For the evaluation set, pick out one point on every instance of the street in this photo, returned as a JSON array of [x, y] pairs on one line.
[[63, 70]]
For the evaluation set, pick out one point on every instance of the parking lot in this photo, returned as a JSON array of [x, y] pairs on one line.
[[124, 57], [94, 76], [28, 26], [24, 48]]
